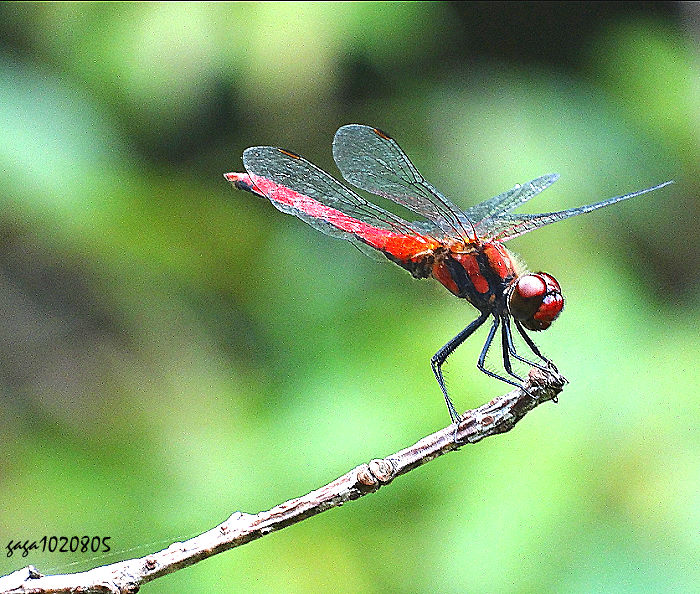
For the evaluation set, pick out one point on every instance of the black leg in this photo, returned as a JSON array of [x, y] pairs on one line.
[[485, 350], [507, 347], [508, 339], [533, 346], [441, 356]]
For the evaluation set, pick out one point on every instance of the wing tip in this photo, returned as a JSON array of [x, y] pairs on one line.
[[350, 128], [651, 189], [255, 150]]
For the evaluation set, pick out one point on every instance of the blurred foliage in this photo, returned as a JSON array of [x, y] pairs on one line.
[[172, 350]]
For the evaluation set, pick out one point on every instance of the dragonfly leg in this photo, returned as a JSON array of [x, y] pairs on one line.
[[506, 343], [510, 346], [482, 357], [533, 346], [441, 356]]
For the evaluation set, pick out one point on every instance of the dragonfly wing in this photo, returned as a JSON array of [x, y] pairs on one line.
[[285, 169], [296, 186], [373, 161], [285, 201], [509, 200], [505, 227]]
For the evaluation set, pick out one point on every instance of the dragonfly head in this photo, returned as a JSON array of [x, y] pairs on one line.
[[535, 300]]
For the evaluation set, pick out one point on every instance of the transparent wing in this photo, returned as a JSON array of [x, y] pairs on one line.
[[508, 226], [296, 173], [509, 200], [296, 186], [373, 161]]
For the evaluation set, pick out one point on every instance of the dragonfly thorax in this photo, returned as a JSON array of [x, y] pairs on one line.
[[535, 300], [478, 272]]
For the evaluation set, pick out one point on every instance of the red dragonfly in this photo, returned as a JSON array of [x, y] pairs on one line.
[[462, 249]]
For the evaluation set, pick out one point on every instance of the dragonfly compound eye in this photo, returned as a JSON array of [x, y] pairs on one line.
[[536, 300]]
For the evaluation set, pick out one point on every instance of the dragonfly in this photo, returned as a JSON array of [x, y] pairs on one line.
[[461, 249]]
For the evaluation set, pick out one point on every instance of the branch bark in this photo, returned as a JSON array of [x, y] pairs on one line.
[[126, 577]]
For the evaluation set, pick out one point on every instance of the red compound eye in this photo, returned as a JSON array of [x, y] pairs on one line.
[[536, 300], [531, 285]]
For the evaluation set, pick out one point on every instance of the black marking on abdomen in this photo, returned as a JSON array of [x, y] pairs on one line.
[[418, 269]]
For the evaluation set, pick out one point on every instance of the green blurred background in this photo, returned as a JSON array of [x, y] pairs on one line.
[[172, 350]]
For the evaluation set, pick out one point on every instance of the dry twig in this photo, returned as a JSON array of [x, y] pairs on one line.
[[498, 416]]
